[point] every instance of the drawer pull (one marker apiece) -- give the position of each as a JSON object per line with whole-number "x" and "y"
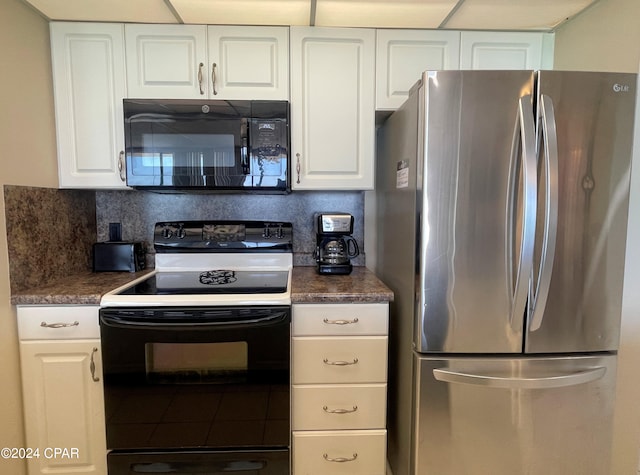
{"x": 340, "y": 363}
{"x": 339, "y": 459}
{"x": 339, "y": 411}
{"x": 59, "y": 325}
{"x": 340, "y": 322}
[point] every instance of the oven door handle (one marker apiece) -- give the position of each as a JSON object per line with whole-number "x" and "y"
{"x": 158, "y": 324}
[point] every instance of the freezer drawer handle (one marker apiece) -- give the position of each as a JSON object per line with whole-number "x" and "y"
{"x": 340, "y": 363}
{"x": 448, "y": 375}
{"x": 340, "y": 459}
{"x": 340, "y": 322}
{"x": 340, "y": 410}
{"x": 59, "y": 325}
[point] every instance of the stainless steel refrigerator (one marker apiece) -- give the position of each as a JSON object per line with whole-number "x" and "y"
{"x": 502, "y": 201}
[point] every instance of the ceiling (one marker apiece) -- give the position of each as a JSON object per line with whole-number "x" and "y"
{"x": 540, "y": 15}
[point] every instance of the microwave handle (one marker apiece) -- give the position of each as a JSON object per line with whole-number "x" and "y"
{"x": 244, "y": 157}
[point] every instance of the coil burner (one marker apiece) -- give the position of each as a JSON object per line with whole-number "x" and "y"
{"x": 218, "y": 277}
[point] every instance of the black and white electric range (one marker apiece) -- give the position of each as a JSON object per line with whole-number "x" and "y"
{"x": 196, "y": 354}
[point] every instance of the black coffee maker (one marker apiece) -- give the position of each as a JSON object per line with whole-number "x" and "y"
{"x": 334, "y": 245}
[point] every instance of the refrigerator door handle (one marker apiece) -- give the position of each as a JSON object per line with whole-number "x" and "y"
{"x": 525, "y": 134}
{"x": 447, "y": 375}
{"x": 550, "y": 141}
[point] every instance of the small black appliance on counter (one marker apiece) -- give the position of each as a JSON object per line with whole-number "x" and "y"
{"x": 334, "y": 245}
{"x": 118, "y": 256}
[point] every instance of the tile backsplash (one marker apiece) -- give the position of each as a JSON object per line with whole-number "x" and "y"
{"x": 138, "y": 211}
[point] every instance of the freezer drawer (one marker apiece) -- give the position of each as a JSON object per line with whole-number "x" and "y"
{"x": 505, "y": 416}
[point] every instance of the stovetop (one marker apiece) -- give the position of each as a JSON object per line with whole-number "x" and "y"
{"x": 214, "y": 263}
{"x": 218, "y": 281}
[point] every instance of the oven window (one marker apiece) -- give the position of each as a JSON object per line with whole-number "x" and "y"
{"x": 192, "y": 363}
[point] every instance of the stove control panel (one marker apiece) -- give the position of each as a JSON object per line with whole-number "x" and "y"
{"x": 223, "y": 236}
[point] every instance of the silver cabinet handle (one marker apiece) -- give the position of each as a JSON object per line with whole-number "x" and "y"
{"x": 59, "y": 325}
{"x": 340, "y": 363}
{"x": 121, "y": 166}
{"x": 213, "y": 78}
{"x": 448, "y": 375}
{"x": 340, "y": 322}
{"x": 340, "y": 459}
{"x": 200, "y": 66}
{"x": 298, "y": 167}
{"x": 92, "y": 365}
{"x": 339, "y": 410}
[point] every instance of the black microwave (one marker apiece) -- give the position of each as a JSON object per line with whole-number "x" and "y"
{"x": 204, "y": 145}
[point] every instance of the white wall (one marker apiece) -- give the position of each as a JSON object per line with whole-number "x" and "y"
{"x": 27, "y": 142}
{"x": 607, "y": 38}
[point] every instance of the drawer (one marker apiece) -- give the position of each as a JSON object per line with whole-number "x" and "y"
{"x": 340, "y": 319}
{"x": 326, "y": 407}
{"x": 339, "y": 360}
{"x": 59, "y": 322}
{"x": 340, "y": 453}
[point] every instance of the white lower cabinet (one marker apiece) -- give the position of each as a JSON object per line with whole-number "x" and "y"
{"x": 339, "y": 388}
{"x": 355, "y": 452}
{"x": 62, "y": 389}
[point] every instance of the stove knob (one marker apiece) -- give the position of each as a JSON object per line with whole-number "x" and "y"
{"x": 181, "y": 233}
{"x": 167, "y": 233}
{"x": 280, "y": 232}
{"x": 266, "y": 232}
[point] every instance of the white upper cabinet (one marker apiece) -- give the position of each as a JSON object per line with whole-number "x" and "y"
{"x": 249, "y": 62}
{"x": 215, "y": 62}
{"x": 505, "y": 50}
{"x": 89, "y": 85}
{"x": 166, "y": 61}
{"x": 402, "y": 56}
{"x": 332, "y": 108}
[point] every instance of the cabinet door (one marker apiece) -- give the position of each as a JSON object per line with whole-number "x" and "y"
{"x": 64, "y": 406}
{"x": 166, "y": 61}
{"x": 89, "y": 85}
{"x": 332, "y": 108}
{"x": 504, "y": 50}
{"x": 402, "y": 56}
{"x": 248, "y": 62}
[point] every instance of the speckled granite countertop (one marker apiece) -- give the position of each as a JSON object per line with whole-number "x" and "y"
{"x": 78, "y": 289}
{"x": 362, "y": 285}
{"x": 307, "y": 286}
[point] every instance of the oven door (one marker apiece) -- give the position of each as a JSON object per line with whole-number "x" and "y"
{"x": 197, "y": 389}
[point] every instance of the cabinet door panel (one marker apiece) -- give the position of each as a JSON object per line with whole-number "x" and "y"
{"x": 64, "y": 405}
{"x": 250, "y": 62}
{"x": 166, "y": 61}
{"x": 402, "y": 56}
{"x": 332, "y": 107}
{"x": 500, "y": 50}
{"x": 89, "y": 85}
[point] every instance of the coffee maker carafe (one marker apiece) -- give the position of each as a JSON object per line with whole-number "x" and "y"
{"x": 335, "y": 247}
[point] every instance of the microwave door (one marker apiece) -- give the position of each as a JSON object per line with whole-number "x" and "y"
{"x": 175, "y": 144}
